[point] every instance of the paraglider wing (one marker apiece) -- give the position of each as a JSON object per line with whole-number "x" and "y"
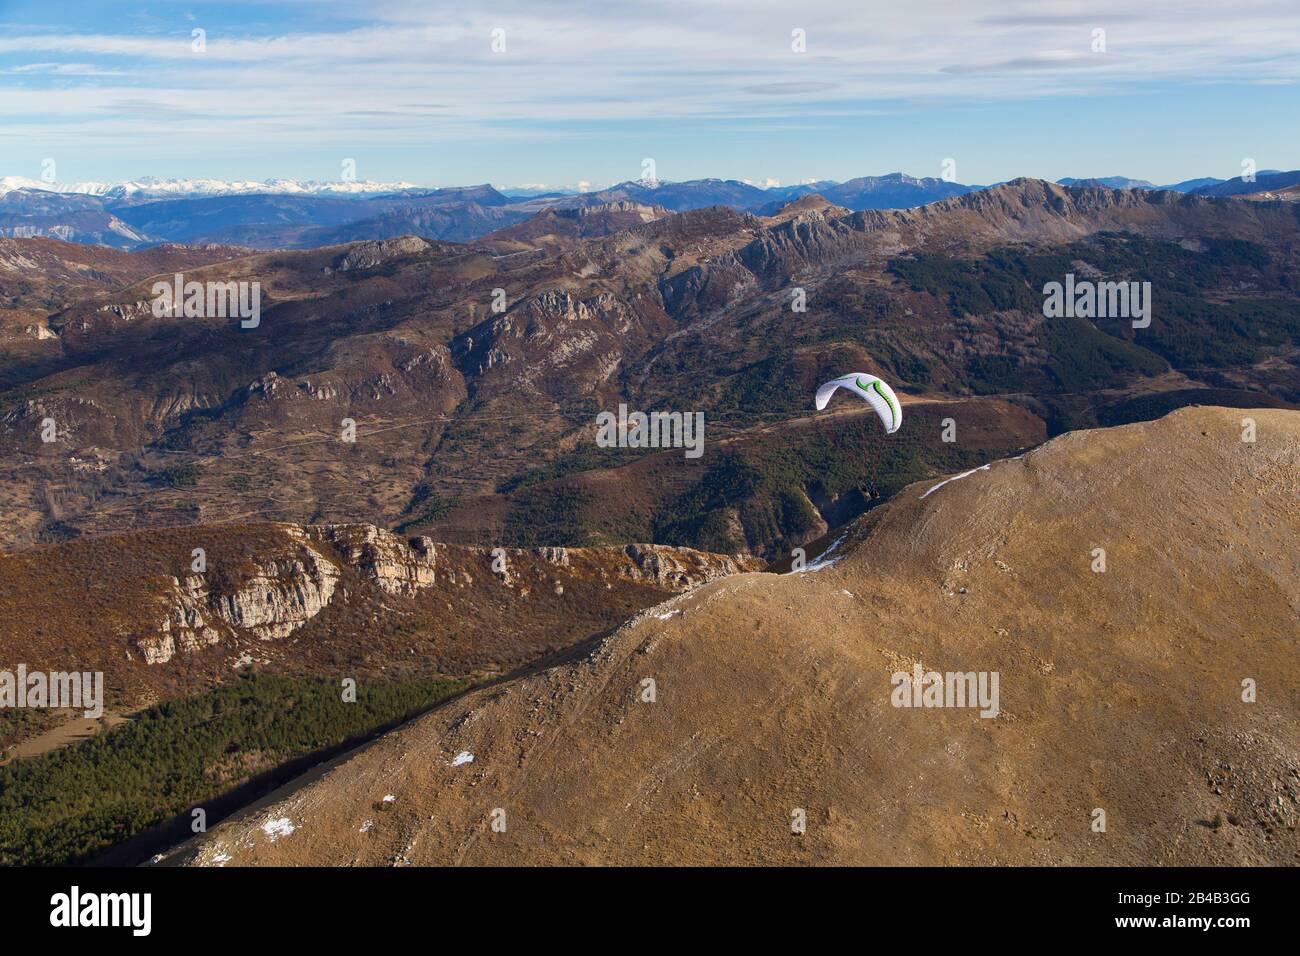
{"x": 871, "y": 390}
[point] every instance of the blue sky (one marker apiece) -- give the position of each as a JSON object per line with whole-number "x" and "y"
{"x": 583, "y": 92}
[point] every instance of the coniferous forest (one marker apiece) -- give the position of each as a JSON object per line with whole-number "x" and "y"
{"x": 71, "y": 804}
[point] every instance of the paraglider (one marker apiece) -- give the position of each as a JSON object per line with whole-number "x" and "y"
{"x": 873, "y": 391}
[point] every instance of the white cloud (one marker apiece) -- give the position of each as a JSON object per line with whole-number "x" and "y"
{"x": 425, "y": 72}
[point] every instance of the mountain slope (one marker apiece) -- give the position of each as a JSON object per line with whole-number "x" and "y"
{"x": 1119, "y": 691}
{"x": 318, "y": 600}
{"x": 30, "y": 214}
{"x": 186, "y": 421}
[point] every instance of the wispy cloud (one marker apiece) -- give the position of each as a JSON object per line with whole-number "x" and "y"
{"x": 433, "y": 72}
{"x": 60, "y": 69}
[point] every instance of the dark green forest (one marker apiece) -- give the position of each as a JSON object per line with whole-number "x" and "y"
{"x": 73, "y": 803}
{"x": 1221, "y": 306}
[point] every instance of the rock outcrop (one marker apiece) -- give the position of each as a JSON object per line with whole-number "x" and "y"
{"x": 396, "y": 565}
{"x": 276, "y": 596}
{"x": 367, "y": 255}
{"x": 189, "y": 622}
{"x": 281, "y": 597}
{"x": 300, "y": 570}
{"x": 679, "y": 569}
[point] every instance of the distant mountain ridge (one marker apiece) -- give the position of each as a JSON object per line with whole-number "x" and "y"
{"x": 890, "y": 191}
{"x": 287, "y": 214}
{"x": 1205, "y": 185}
{"x": 1113, "y": 182}
{"x": 154, "y": 187}
{"x": 1263, "y": 182}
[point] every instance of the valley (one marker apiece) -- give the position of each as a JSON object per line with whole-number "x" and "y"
{"x": 473, "y": 425}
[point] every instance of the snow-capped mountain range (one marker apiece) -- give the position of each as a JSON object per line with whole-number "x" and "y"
{"x": 152, "y": 187}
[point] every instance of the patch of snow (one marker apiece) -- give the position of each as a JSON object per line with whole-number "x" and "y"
{"x": 221, "y": 859}
{"x": 367, "y": 826}
{"x": 930, "y": 491}
{"x": 463, "y": 757}
{"x": 389, "y": 798}
{"x": 822, "y": 565}
{"x": 279, "y": 827}
{"x": 153, "y": 187}
{"x": 666, "y": 615}
{"x": 821, "y": 562}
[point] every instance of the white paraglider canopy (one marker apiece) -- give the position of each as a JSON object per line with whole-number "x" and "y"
{"x": 871, "y": 390}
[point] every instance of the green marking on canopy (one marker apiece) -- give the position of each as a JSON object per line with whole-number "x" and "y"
{"x": 893, "y": 412}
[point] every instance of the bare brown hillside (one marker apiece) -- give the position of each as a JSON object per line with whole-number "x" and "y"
{"x": 1119, "y": 690}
